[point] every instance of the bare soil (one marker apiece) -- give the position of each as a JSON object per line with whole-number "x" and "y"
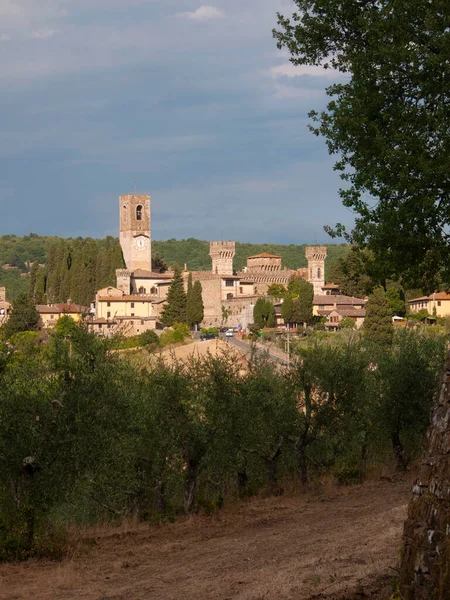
{"x": 339, "y": 543}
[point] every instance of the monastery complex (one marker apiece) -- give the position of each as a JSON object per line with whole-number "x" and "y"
{"x": 136, "y": 302}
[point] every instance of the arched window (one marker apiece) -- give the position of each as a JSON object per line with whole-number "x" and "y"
{"x": 142, "y": 290}
{"x": 153, "y": 291}
{"x": 139, "y": 212}
{"x": 318, "y": 273}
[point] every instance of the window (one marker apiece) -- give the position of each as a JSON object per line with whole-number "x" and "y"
{"x": 229, "y": 282}
{"x": 142, "y": 290}
{"x": 108, "y": 304}
{"x": 139, "y": 212}
{"x": 318, "y": 273}
{"x": 153, "y": 291}
{"x": 132, "y": 314}
{"x": 142, "y": 322}
{"x": 132, "y": 305}
{"x": 439, "y": 302}
{"x": 229, "y": 296}
{"x": 241, "y": 290}
{"x": 108, "y": 315}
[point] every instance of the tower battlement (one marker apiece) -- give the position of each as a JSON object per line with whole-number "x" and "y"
{"x": 222, "y": 254}
{"x": 316, "y": 252}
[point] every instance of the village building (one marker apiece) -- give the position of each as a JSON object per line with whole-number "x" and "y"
{"x": 437, "y": 304}
{"x": 51, "y": 313}
{"x": 136, "y": 302}
{"x": 5, "y": 306}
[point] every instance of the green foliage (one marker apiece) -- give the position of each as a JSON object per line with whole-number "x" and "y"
{"x": 264, "y": 313}
{"x": 175, "y": 308}
{"x": 302, "y": 305}
{"x": 149, "y": 338}
{"x": 286, "y": 309}
{"x": 23, "y": 317}
{"x": 194, "y": 303}
{"x": 387, "y": 120}
{"x": 277, "y": 290}
{"x": 355, "y": 273}
{"x": 347, "y": 323}
{"x": 396, "y": 300}
{"x": 168, "y": 437}
{"x": 377, "y": 325}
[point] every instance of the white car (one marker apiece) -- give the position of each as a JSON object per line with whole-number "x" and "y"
{"x": 229, "y": 333}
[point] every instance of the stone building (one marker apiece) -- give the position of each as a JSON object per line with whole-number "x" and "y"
{"x": 5, "y": 306}
{"x": 135, "y": 304}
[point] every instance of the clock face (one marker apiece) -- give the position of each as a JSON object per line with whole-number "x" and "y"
{"x": 140, "y": 242}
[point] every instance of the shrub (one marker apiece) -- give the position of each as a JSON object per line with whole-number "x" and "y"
{"x": 148, "y": 338}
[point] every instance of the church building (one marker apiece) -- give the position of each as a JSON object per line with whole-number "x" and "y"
{"x": 135, "y": 304}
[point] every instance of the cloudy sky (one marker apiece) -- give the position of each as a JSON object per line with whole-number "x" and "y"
{"x": 189, "y": 102}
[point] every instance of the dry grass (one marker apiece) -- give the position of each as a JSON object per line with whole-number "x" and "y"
{"x": 327, "y": 544}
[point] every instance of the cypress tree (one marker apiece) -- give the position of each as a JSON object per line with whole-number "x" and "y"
{"x": 378, "y": 326}
{"x": 198, "y": 303}
{"x": 24, "y": 316}
{"x": 175, "y": 308}
{"x": 305, "y": 301}
{"x": 39, "y": 290}
{"x": 190, "y": 306}
{"x": 33, "y": 278}
{"x": 286, "y": 309}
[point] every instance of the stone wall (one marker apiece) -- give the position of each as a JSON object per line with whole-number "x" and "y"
{"x": 426, "y": 537}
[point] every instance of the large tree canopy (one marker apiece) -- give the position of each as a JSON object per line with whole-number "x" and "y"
{"x": 388, "y": 120}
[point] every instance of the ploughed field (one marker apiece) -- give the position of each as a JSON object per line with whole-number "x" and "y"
{"x": 337, "y": 543}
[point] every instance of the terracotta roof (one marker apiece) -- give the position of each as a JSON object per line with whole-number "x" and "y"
{"x": 436, "y": 296}
{"x": 72, "y": 308}
{"x": 153, "y": 274}
{"x": 46, "y": 309}
{"x": 131, "y": 298}
{"x": 264, "y": 255}
{"x": 331, "y": 286}
{"x": 337, "y": 299}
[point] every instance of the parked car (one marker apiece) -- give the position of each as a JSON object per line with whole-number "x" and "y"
{"x": 229, "y": 333}
{"x": 208, "y": 336}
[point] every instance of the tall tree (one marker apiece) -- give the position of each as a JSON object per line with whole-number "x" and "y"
{"x": 388, "y": 120}
{"x": 377, "y": 325}
{"x": 33, "y": 276}
{"x": 305, "y": 302}
{"x": 264, "y": 313}
{"x": 194, "y": 303}
{"x": 23, "y": 317}
{"x": 286, "y": 309}
{"x": 175, "y": 308}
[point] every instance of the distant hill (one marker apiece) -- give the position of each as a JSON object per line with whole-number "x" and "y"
{"x": 75, "y": 268}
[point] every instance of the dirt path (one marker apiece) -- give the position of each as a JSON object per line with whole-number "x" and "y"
{"x": 330, "y": 545}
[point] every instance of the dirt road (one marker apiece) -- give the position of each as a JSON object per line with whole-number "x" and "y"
{"x": 339, "y": 544}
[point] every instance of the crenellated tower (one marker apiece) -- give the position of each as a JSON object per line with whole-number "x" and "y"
{"x": 135, "y": 231}
{"x": 316, "y": 256}
{"x": 222, "y": 254}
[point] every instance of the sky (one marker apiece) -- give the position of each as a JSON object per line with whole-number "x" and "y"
{"x": 192, "y": 103}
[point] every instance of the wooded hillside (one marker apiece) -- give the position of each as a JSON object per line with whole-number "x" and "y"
{"x": 76, "y": 268}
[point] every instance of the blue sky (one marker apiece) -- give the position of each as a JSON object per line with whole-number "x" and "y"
{"x": 189, "y": 102}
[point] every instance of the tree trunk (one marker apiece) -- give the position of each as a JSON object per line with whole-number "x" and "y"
{"x": 242, "y": 477}
{"x": 190, "y": 485}
{"x": 425, "y": 572}
{"x": 302, "y": 465}
{"x": 398, "y": 451}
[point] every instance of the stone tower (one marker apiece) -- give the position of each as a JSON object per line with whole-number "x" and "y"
{"x": 316, "y": 256}
{"x": 135, "y": 232}
{"x": 222, "y": 254}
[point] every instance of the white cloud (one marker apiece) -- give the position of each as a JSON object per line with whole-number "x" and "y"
{"x": 290, "y": 70}
{"x": 203, "y": 13}
{"x": 44, "y": 34}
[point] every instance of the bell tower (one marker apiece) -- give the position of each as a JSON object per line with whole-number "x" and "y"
{"x": 316, "y": 256}
{"x": 222, "y": 254}
{"x": 135, "y": 232}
